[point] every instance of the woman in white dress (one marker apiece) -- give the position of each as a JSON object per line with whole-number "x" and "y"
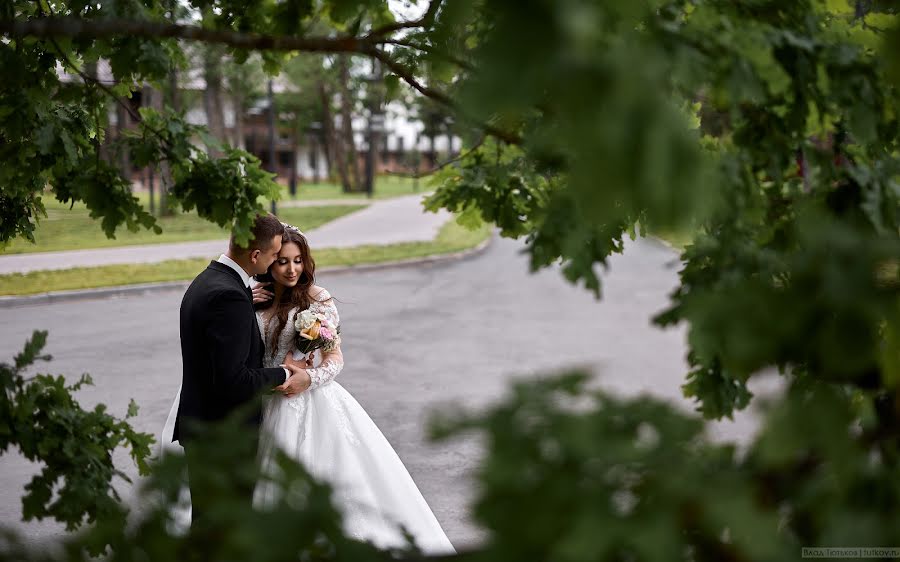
{"x": 324, "y": 427}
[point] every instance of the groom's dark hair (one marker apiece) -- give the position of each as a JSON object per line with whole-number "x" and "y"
{"x": 265, "y": 228}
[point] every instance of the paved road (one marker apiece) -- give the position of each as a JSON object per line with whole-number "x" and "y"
{"x": 469, "y": 328}
{"x": 383, "y": 222}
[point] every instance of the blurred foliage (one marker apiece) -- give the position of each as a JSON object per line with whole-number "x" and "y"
{"x": 574, "y": 475}
{"x": 772, "y": 126}
{"x": 796, "y": 267}
{"x": 40, "y": 418}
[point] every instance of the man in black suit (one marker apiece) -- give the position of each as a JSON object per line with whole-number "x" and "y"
{"x": 221, "y": 347}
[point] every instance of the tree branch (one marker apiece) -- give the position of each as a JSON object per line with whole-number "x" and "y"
{"x": 431, "y": 12}
{"x": 77, "y": 27}
{"x": 426, "y": 20}
{"x": 68, "y": 62}
{"x": 429, "y": 50}
{"x": 366, "y": 45}
{"x": 167, "y": 150}
{"x": 108, "y": 91}
{"x": 438, "y": 96}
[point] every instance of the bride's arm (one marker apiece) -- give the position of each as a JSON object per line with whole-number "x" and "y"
{"x": 331, "y": 366}
{"x": 332, "y": 361}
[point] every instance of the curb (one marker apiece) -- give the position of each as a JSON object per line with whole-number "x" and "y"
{"x": 128, "y": 290}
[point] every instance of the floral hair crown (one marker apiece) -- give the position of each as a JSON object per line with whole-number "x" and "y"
{"x": 294, "y": 228}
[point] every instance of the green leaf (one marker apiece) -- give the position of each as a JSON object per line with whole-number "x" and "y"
{"x": 132, "y": 409}
{"x": 392, "y": 86}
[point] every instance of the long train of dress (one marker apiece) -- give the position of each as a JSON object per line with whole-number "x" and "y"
{"x": 330, "y": 433}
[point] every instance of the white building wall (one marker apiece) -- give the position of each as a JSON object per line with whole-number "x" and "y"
{"x": 304, "y": 166}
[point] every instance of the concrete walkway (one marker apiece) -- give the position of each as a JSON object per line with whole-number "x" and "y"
{"x": 383, "y": 222}
{"x": 325, "y": 202}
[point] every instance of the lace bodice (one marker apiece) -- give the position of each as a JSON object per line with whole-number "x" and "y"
{"x": 331, "y": 363}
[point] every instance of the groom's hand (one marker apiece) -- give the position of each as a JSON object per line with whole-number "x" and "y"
{"x": 298, "y": 382}
{"x": 289, "y": 362}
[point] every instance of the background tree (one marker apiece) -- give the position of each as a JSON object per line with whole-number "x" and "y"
{"x": 348, "y": 109}
{"x": 243, "y": 84}
{"x": 310, "y": 103}
{"x": 435, "y": 121}
{"x": 213, "y": 93}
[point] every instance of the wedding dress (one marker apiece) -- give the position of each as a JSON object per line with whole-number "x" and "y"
{"x": 326, "y": 430}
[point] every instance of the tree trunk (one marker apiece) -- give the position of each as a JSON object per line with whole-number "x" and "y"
{"x": 325, "y": 141}
{"x": 102, "y": 150}
{"x": 338, "y": 161}
{"x": 347, "y": 124}
{"x": 147, "y": 100}
{"x": 314, "y": 157}
{"x": 173, "y": 99}
{"x": 212, "y": 96}
{"x": 121, "y": 125}
{"x": 295, "y": 148}
{"x": 154, "y": 99}
{"x": 449, "y": 141}
{"x": 238, "y": 101}
{"x": 432, "y": 150}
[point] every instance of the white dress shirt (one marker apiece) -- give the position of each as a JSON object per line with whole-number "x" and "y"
{"x": 245, "y": 277}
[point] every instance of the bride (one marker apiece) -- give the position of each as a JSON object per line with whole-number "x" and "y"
{"x": 324, "y": 427}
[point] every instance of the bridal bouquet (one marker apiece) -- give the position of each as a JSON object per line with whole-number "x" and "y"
{"x": 314, "y": 331}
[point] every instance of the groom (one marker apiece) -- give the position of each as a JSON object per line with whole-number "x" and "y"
{"x": 221, "y": 347}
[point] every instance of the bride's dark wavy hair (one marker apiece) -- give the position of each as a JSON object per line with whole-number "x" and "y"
{"x": 296, "y": 296}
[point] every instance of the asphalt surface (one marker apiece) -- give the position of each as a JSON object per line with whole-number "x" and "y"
{"x": 465, "y": 329}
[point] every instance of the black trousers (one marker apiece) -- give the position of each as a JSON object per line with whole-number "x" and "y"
{"x": 203, "y": 496}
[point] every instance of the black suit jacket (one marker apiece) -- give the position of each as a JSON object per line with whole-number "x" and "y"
{"x": 221, "y": 351}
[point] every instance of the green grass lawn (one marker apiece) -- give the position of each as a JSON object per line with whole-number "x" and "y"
{"x": 678, "y": 239}
{"x": 385, "y": 187}
{"x": 75, "y": 230}
{"x": 451, "y": 238}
